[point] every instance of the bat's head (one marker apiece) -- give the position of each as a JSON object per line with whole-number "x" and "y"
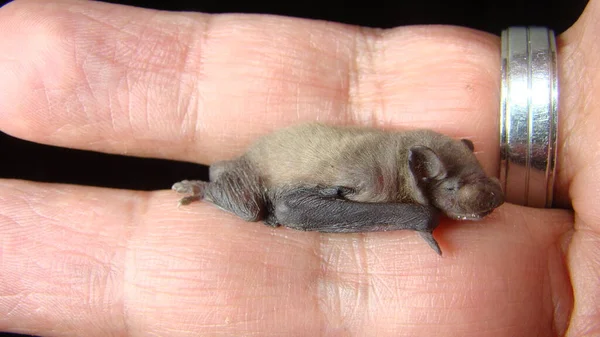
{"x": 453, "y": 181}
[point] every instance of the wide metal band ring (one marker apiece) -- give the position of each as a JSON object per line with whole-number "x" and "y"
{"x": 528, "y": 115}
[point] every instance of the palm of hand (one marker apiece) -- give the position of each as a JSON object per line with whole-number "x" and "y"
{"x": 97, "y": 262}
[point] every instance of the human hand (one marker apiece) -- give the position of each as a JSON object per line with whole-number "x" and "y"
{"x": 83, "y": 261}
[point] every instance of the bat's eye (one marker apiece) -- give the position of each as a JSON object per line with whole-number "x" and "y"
{"x": 450, "y": 185}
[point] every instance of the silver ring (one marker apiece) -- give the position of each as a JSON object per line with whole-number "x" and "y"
{"x": 528, "y": 115}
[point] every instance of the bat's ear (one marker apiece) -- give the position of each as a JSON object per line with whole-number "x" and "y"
{"x": 425, "y": 164}
{"x": 469, "y": 144}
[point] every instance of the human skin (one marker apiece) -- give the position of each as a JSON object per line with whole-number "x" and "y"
{"x": 83, "y": 261}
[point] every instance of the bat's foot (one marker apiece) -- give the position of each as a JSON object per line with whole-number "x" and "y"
{"x": 194, "y": 189}
{"x": 428, "y": 237}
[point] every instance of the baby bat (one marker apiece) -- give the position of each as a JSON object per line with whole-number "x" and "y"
{"x": 315, "y": 177}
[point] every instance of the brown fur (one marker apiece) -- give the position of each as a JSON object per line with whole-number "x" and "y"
{"x": 372, "y": 161}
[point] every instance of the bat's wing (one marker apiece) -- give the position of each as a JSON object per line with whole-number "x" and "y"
{"x": 324, "y": 209}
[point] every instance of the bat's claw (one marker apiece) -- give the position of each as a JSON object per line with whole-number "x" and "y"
{"x": 428, "y": 237}
{"x": 188, "y": 200}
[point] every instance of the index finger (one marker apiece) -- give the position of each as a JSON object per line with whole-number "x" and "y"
{"x": 197, "y": 87}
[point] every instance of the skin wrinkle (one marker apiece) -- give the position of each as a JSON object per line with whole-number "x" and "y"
{"x": 362, "y": 65}
{"x": 560, "y": 316}
{"x": 87, "y": 64}
{"x": 142, "y": 38}
{"x": 556, "y": 319}
{"x": 376, "y": 51}
{"x": 81, "y": 98}
{"x": 363, "y": 286}
{"x": 571, "y": 59}
{"x": 185, "y": 101}
{"x": 327, "y": 303}
{"x": 65, "y": 259}
{"x": 353, "y": 82}
{"x": 125, "y": 317}
{"x": 116, "y": 57}
{"x": 113, "y": 102}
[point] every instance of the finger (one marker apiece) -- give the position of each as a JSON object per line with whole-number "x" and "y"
{"x": 97, "y": 262}
{"x": 579, "y": 164}
{"x": 81, "y": 261}
{"x": 62, "y": 257}
{"x": 201, "y": 87}
{"x": 578, "y": 159}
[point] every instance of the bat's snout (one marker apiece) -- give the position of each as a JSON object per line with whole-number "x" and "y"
{"x": 478, "y": 200}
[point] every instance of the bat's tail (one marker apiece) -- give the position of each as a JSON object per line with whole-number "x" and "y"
{"x": 428, "y": 237}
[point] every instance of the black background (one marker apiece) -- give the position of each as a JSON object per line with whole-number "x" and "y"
{"x": 25, "y": 160}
